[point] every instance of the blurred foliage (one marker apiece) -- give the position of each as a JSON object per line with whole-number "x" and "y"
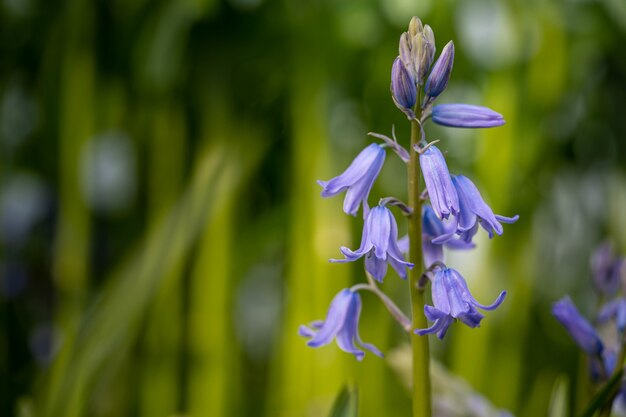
{"x": 161, "y": 231}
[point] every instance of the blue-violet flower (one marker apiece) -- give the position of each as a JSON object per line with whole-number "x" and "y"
{"x": 466, "y": 115}
{"x": 379, "y": 244}
{"x": 358, "y": 179}
{"x": 577, "y": 326}
{"x": 453, "y": 300}
{"x": 342, "y": 322}
{"x": 441, "y": 192}
{"x": 474, "y": 210}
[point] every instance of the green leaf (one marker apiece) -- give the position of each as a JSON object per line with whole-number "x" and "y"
{"x": 607, "y": 393}
{"x": 558, "y": 399}
{"x": 347, "y": 403}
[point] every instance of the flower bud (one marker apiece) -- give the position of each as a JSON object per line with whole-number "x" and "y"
{"x": 403, "y": 88}
{"x": 466, "y": 115}
{"x": 415, "y": 26}
{"x": 440, "y": 75}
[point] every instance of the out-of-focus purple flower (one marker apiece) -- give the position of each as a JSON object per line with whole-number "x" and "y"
{"x": 441, "y": 192}
{"x": 403, "y": 89}
{"x": 440, "y": 75}
{"x": 379, "y": 244}
{"x": 473, "y": 209}
{"x": 466, "y": 115}
{"x": 577, "y": 326}
{"x": 437, "y": 233}
{"x": 358, "y": 179}
{"x": 453, "y": 300}
{"x": 607, "y": 269}
{"x": 615, "y": 310}
{"x": 342, "y": 324}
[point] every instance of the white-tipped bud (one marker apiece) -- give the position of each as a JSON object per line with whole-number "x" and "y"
{"x": 415, "y": 26}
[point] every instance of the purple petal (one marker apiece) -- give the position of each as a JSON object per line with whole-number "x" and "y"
{"x": 441, "y": 191}
{"x": 335, "y": 318}
{"x": 466, "y": 116}
{"x": 376, "y": 267}
{"x": 358, "y": 178}
{"x": 379, "y": 230}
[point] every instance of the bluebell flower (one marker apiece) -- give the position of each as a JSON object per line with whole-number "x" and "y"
{"x": 614, "y": 310}
{"x": 440, "y": 75}
{"x": 342, "y": 324}
{"x": 379, "y": 245}
{"x": 403, "y": 89}
{"x": 577, "y": 326}
{"x": 358, "y": 179}
{"x": 466, "y": 115}
{"x": 474, "y": 210}
{"x": 452, "y": 300}
{"x": 607, "y": 269}
{"x": 441, "y": 192}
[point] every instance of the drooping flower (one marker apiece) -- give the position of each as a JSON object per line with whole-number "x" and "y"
{"x": 441, "y": 192}
{"x": 379, "y": 245}
{"x": 474, "y": 210}
{"x": 577, "y": 326}
{"x": 452, "y": 300}
{"x": 607, "y": 269}
{"x": 403, "y": 89}
{"x": 466, "y": 115}
{"x": 358, "y": 179}
{"x": 440, "y": 75}
{"x": 342, "y": 324}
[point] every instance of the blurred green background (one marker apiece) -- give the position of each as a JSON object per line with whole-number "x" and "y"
{"x": 162, "y": 235}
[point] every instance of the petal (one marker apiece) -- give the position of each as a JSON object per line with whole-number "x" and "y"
{"x": 335, "y": 319}
{"x": 441, "y": 192}
{"x": 359, "y": 191}
{"x": 359, "y": 166}
{"x": 476, "y": 204}
{"x": 376, "y": 267}
{"x": 379, "y": 230}
{"x": 491, "y": 306}
{"x": 306, "y": 331}
{"x": 472, "y": 318}
{"x": 455, "y": 291}
{"x": 347, "y": 334}
{"x": 400, "y": 266}
{"x": 465, "y": 115}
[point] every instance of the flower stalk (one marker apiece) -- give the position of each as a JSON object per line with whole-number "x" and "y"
{"x": 420, "y": 350}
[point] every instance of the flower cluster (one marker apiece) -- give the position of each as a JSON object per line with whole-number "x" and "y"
{"x": 604, "y": 340}
{"x": 450, "y": 219}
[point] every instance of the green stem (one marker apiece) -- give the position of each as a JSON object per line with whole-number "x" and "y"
{"x": 421, "y": 362}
